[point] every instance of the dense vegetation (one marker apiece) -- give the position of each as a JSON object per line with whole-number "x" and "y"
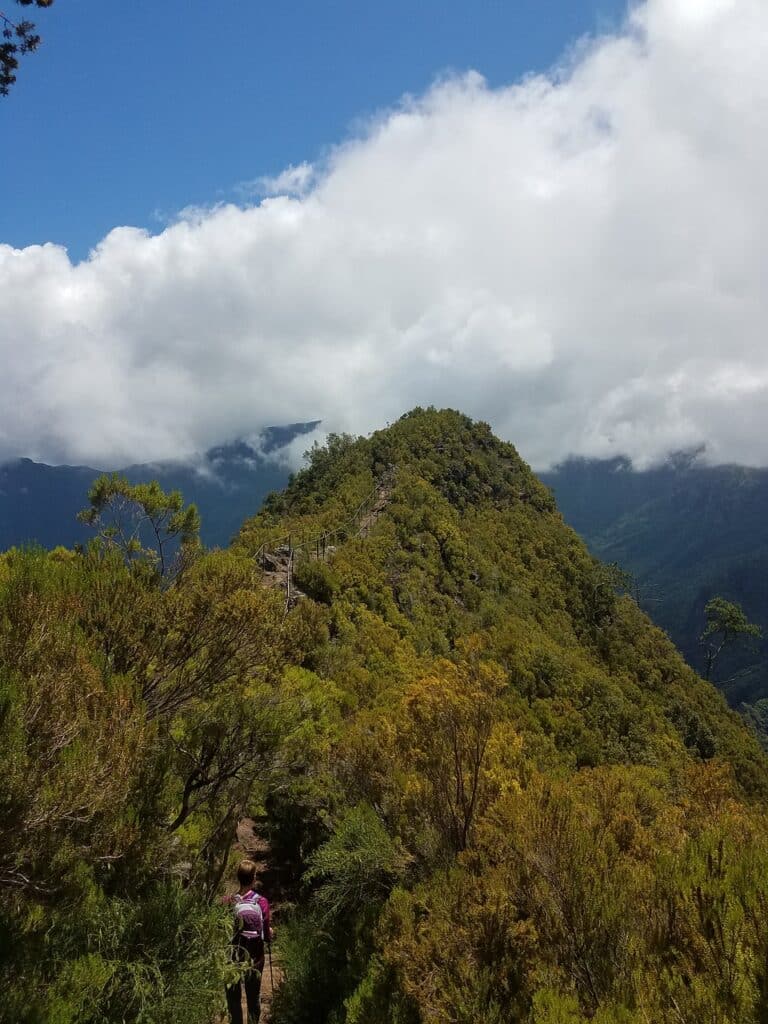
{"x": 496, "y": 791}
{"x": 687, "y": 532}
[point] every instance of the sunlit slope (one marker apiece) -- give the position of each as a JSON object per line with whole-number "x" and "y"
{"x": 527, "y": 807}
{"x": 472, "y": 545}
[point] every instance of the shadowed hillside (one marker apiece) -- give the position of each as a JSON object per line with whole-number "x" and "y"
{"x": 39, "y": 503}
{"x": 686, "y": 532}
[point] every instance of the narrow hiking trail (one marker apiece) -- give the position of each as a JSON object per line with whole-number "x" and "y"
{"x": 256, "y": 848}
{"x": 278, "y": 567}
{"x": 380, "y": 503}
{"x": 278, "y": 561}
{"x": 251, "y": 843}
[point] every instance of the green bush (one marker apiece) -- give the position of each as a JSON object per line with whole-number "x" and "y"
{"x": 316, "y": 579}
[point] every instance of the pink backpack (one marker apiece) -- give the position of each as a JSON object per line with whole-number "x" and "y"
{"x": 249, "y": 919}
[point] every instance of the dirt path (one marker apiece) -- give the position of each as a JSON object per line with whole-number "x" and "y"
{"x": 278, "y": 565}
{"x": 368, "y": 520}
{"x": 252, "y": 845}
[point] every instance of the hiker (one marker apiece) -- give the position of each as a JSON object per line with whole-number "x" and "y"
{"x": 247, "y": 944}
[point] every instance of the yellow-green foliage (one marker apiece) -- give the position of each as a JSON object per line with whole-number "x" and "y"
{"x": 137, "y": 721}
{"x": 495, "y": 791}
{"x": 555, "y": 775}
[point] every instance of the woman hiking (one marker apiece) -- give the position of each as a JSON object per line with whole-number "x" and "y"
{"x": 247, "y": 944}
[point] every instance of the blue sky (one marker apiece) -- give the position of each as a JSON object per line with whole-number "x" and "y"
{"x": 132, "y": 109}
{"x": 576, "y": 256}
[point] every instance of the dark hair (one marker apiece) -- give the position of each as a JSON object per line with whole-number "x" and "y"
{"x": 246, "y": 872}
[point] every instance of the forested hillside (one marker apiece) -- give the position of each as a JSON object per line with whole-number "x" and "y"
{"x": 686, "y": 532}
{"x": 495, "y": 791}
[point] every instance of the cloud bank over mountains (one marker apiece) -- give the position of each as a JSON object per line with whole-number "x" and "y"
{"x": 580, "y": 258}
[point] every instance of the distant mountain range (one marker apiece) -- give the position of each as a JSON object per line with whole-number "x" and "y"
{"x": 39, "y": 503}
{"x": 686, "y": 532}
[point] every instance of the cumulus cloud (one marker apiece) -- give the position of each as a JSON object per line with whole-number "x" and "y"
{"x": 579, "y": 258}
{"x": 294, "y": 180}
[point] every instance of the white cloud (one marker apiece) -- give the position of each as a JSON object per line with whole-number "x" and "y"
{"x": 579, "y": 258}
{"x": 294, "y": 180}
{"x": 292, "y": 455}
